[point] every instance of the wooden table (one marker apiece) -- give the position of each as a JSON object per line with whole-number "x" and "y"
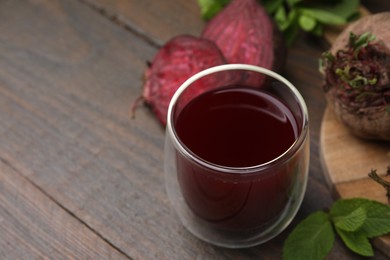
{"x": 78, "y": 177}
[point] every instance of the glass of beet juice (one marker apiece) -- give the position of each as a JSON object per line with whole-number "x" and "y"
{"x": 236, "y": 154}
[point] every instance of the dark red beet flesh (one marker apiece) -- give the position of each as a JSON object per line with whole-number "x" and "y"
{"x": 180, "y": 58}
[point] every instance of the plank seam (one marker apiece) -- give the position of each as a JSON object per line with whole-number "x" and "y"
{"x": 120, "y": 22}
{"x": 7, "y": 163}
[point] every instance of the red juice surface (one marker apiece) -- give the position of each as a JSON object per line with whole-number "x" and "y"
{"x": 235, "y": 126}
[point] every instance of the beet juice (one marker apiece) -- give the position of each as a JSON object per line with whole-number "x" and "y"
{"x": 236, "y": 154}
{"x": 236, "y": 127}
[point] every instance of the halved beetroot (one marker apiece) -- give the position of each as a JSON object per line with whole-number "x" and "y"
{"x": 180, "y": 58}
{"x": 245, "y": 33}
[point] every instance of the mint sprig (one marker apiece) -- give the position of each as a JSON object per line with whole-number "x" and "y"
{"x": 312, "y": 239}
{"x": 352, "y": 221}
{"x": 312, "y": 16}
{"x": 355, "y": 221}
{"x": 356, "y": 242}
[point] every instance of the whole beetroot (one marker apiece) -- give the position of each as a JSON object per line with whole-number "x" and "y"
{"x": 245, "y": 33}
{"x": 179, "y": 59}
{"x": 357, "y": 77}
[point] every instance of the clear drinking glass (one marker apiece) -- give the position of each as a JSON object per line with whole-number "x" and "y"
{"x": 242, "y": 204}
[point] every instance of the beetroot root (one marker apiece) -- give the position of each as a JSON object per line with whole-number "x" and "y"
{"x": 357, "y": 77}
{"x": 180, "y": 58}
{"x": 245, "y": 33}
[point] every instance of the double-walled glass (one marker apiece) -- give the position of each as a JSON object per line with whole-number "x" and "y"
{"x": 236, "y": 206}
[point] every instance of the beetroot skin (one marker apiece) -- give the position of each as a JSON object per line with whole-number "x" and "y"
{"x": 180, "y": 58}
{"x": 241, "y": 33}
{"x": 357, "y": 77}
{"x": 246, "y": 34}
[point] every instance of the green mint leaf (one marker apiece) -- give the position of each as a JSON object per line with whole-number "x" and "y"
{"x": 356, "y": 242}
{"x": 272, "y": 5}
{"x": 209, "y": 8}
{"x": 289, "y": 25}
{"x": 343, "y": 8}
{"x": 313, "y": 238}
{"x": 286, "y": 21}
{"x": 291, "y": 33}
{"x": 293, "y": 15}
{"x": 280, "y": 17}
{"x": 293, "y": 2}
{"x": 324, "y": 16}
{"x": 351, "y": 222}
{"x": 307, "y": 22}
{"x": 377, "y": 221}
{"x": 347, "y": 8}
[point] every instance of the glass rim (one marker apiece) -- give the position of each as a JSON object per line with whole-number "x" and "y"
{"x": 182, "y": 148}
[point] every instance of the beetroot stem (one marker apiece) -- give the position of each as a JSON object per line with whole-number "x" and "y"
{"x": 373, "y": 175}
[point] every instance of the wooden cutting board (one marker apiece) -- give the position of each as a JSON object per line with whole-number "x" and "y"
{"x": 347, "y": 160}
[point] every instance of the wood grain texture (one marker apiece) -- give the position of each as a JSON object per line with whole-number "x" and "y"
{"x": 66, "y": 90}
{"x": 69, "y": 72}
{"x": 155, "y": 20}
{"x": 347, "y": 160}
{"x": 65, "y": 95}
{"x": 346, "y": 157}
{"x": 32, "y": 225}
